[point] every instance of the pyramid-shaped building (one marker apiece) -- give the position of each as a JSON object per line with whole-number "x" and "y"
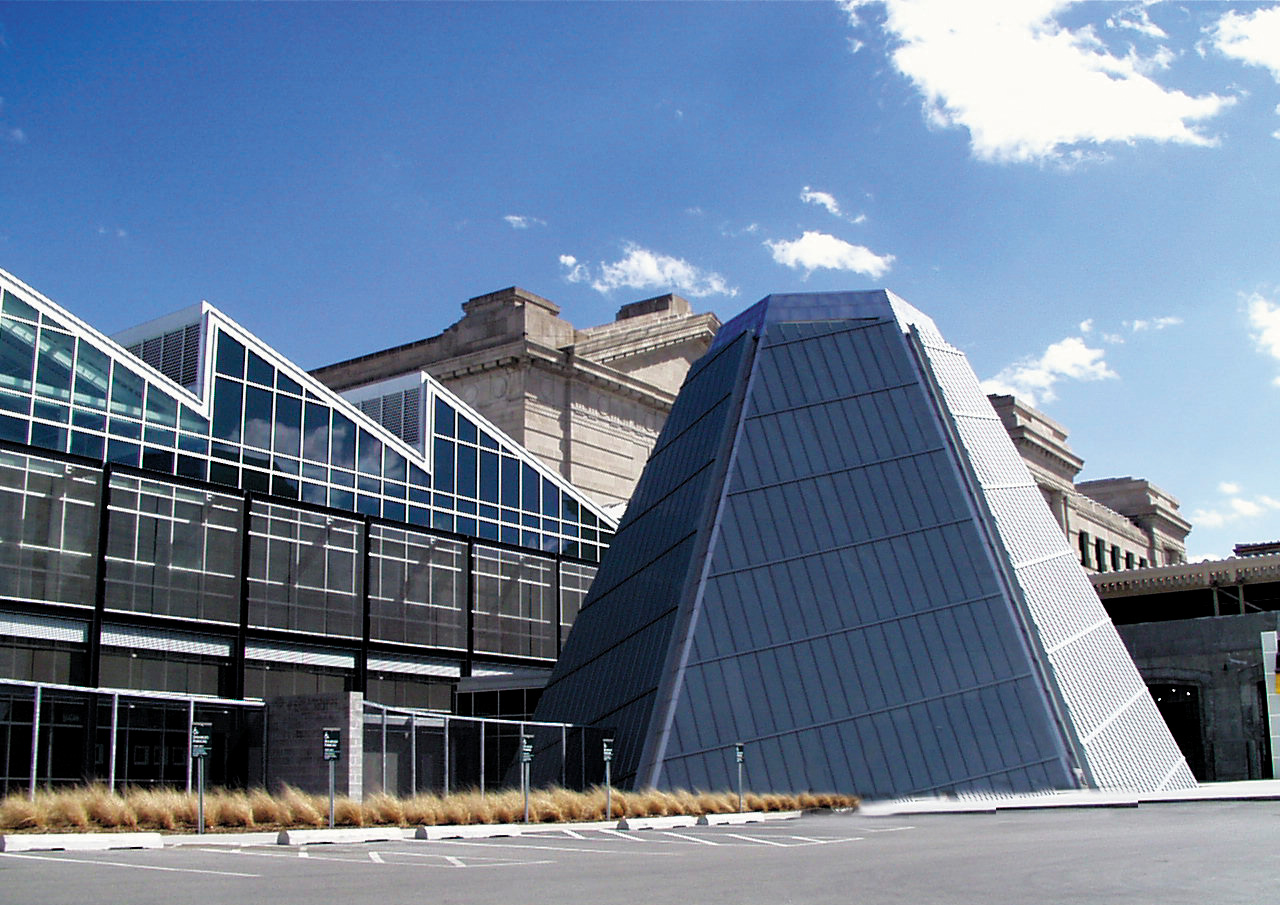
{"x": 836, "y": 557}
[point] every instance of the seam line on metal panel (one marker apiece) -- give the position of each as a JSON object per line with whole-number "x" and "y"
{"x": 842, "y": 470}
{"x": 1114, "y": 716}
{"x": 1077, "y": 636}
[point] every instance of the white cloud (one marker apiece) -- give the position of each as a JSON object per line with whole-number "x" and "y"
{"x": 822, "y": 199}
{"x": 519, "y": 221}
{"x": 15, "y": 136}
{"x": 820, "y": 251}
{"x": 827, "y": 201}
{"x": 1028, "y": 88}
{"x": 641, "y": 268}
{"x": 1136, "y": 19}
{"x": 1155, "y": 323}
{"x": 1086, "y": 325}
{"x": 1033, "y": 379}
{"x": 575, "y": 272}
{"x": 1233, "y": 508}
{"x": 1264, "y": 318}
{"x": 113, "y": 231}
{"x": 1254, "y": 38}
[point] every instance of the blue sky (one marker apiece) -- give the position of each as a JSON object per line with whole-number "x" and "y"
{"x": 1083, "y": 195}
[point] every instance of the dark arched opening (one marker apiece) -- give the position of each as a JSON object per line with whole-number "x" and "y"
{"x": 1180, "y": 707}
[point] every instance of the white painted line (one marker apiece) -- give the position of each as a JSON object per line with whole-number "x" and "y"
{"x": 572, "y": 835}
{"x": 240, "y": 851}
{"x": 887, "y": 829}
{"x": 690, "y": 838}
{"x": 303, "y": 853}
{"x": 549, "y": 848}
{"x": 760, "y": 841}
{"x": 179, "y": 870}
{"x": 456, "y": 862}
{"x": 807, "y": 839}
{"x": 623, "y": 835}
{"x": 376, "y": 858}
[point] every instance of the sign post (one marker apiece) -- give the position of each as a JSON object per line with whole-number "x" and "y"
{"x": 526, "y": 758}
{"x": 738, "y": 751}
{"x": 201, "y": 737}
{"x": 608, "y": 785}
{"x": 331, "y": 746}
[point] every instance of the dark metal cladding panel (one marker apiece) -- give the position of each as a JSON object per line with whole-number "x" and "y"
{"x": 613, "y": 659}
{"x": 852, "y": 632}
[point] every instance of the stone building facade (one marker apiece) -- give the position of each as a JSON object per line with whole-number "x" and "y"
{"x": 1196, "y": 633}
{"x": 588, "y": 402}
{"x": 1114, "y": 523}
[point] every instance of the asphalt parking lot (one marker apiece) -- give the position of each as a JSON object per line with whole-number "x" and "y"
{"x": 1204, "y": 852}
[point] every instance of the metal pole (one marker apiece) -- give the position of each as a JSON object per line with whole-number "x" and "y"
{"x": 446, "y": 755}
{"x": 384, "y": 751}
{"x": 413, "y": 753}
{"x": 115, "y": 724}
{"x": 191, "y": 720}
{"x": 564, "y": 757}
{"x": 524, "y": 774}
{"x": 482, "y": 758}
{"x": 35, "y": 742}
{"x": 332, "y": 788}
{"x": 739, "y": 787}
{"x": 200, "y": 818}
{"x": 48, "y": 761}
{"x": 608, "y": 792}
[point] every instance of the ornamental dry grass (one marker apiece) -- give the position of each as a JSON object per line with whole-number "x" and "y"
{"x": 96, "y": 807}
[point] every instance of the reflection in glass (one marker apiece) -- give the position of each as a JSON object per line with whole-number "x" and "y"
{"x": 370, "y": 453}
{"x": 344, "y": 442}
{"x": 17, "y": 353}
{"x": 161, "y": 407}
{"x": 226, "y": 410}
{"x": 126, "y": 393}
{"x": 315, "y": 444}
{"x": 257, "y": 417}
{"x": 288, "y": 425}
{"x": 230, "y": 356}
{"x": 93, "y": 375}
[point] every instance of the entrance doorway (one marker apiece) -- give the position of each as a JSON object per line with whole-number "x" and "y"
{"x": 1180, "y": 707}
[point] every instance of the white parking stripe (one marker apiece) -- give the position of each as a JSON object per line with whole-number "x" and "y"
{"x": 179, "y": 870}
{"x": 303, "y": 853}
{"x": 806, "y": 839}
{"x": 549, "y": 848}
{"x": 760, "y": 841}
{"x": 456, "y": 862}
{"x": 691, "y": 838}
{"x": 572, "y": 835}
{"x": 633, "y": 838}
{"x": 376, "y": 858}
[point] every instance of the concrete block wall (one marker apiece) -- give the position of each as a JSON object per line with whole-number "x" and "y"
{"x": 294, "y": 740}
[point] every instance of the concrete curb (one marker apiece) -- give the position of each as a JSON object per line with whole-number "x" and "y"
{"x": 782, "y": 815}
{"x": 77, "y": 842}
{"x": 342, "y": 834}
{"x": 656, "y": 823}
{"x": 730, "y": 819}
{"x": 234, "y": 840}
